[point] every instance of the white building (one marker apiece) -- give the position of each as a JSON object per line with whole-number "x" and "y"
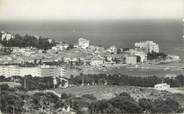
{"x": 9, "y": 70}
{"x": 112, "y": 49}
{"x": 173, "y": 57}
{"x": 141, "y": 54}
{"x": 83, "y": 43}
{"x": 162, "y": 86}
{"x": 24, "y": 51}
{"x": 50, "y": 40}
{"x": 60, "y": 47}
{"x": 149, "y": 46}
{"x": 6, "y": 36}
{"x": 55, "y": 71}
{"x": 34, "y": 71}
{"x": 97, "y": 61}
{"x": 70, "y": 59}
{"x": 40, "y": 71}
{"x": 131, "y": 59}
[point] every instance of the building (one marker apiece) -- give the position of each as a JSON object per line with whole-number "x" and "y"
{"x": 34, "y": 71}
{"x": 173, "y": 57}
{"x": 131, "y": 59}
{"x": 9, "y": 70}
{"x": 6, "y": 36}
{"x": 162, "y": 86}
{"x": 115, "y": 58}
{"x": 40, "y": 71}
{"x": 149, "y": 46}
{"x": 97, "y": 61}
{"x": 96, "y": 49}
{"x": 112, "y": 49}
{"x": 70, "y": 59}
{"x": 50, "y": 40}
{"x": 60, "y": 47}
{"x": 141, "y": 54}
{"x": 23, "y": 51}
{"x": 55, "y": 71}
{"x": 83, "y": 43}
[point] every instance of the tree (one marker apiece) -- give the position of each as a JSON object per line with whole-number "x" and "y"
{"x": 146, "y": 104}
{"x": 154, "y": 55}
{"x": 126, "y": 105}
{"x": 28, "y": 41}
{"x": 165, "y": 106}
{"x": 3, "y": 78}
{"x": 4, "y": 87}
{"x": 64, "y": 96}
{"x": 89, "y": 96}
{"x": 120, "y": 104}
{"x": 180, "y": 79}
{"x": 125, "y": 94}
{"x": 11, "y": 102}
{"x": 118, "y": 51}
{"x": 71, "y": 46}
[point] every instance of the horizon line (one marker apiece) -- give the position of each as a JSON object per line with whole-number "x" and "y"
{"x": 123, "y": 19}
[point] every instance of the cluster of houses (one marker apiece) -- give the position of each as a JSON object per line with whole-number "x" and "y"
{"x": 148, "y": 46}
{"x": 95, "y": 55}
{"x": 101, "y": 56}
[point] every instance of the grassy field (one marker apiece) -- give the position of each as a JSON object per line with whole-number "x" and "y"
{"x": 131, "y": 71}
{"x": 143, "y": 72}
{"x": 107, "y": 92}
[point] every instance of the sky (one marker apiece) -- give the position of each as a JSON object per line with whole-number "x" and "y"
{"x": 90, "y": 9}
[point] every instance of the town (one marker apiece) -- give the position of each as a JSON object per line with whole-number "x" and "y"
{"x": 28, "y": 59}
{"x": 35, "y": 64}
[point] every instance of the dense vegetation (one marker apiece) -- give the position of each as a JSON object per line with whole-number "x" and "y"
{"x": 124, "y": 103}
{"x": 40, "y": 83}
{"x": 17, "y": 102}
{"x": 119, "y": 79}
{"x": 28, "y": 41}
{"x": 154, "y": 55}
{"x": 10, "y": 101}
{"x": 31, "y": 83}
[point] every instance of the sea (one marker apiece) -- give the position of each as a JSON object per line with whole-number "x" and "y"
{"x": 122, "y": 33}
